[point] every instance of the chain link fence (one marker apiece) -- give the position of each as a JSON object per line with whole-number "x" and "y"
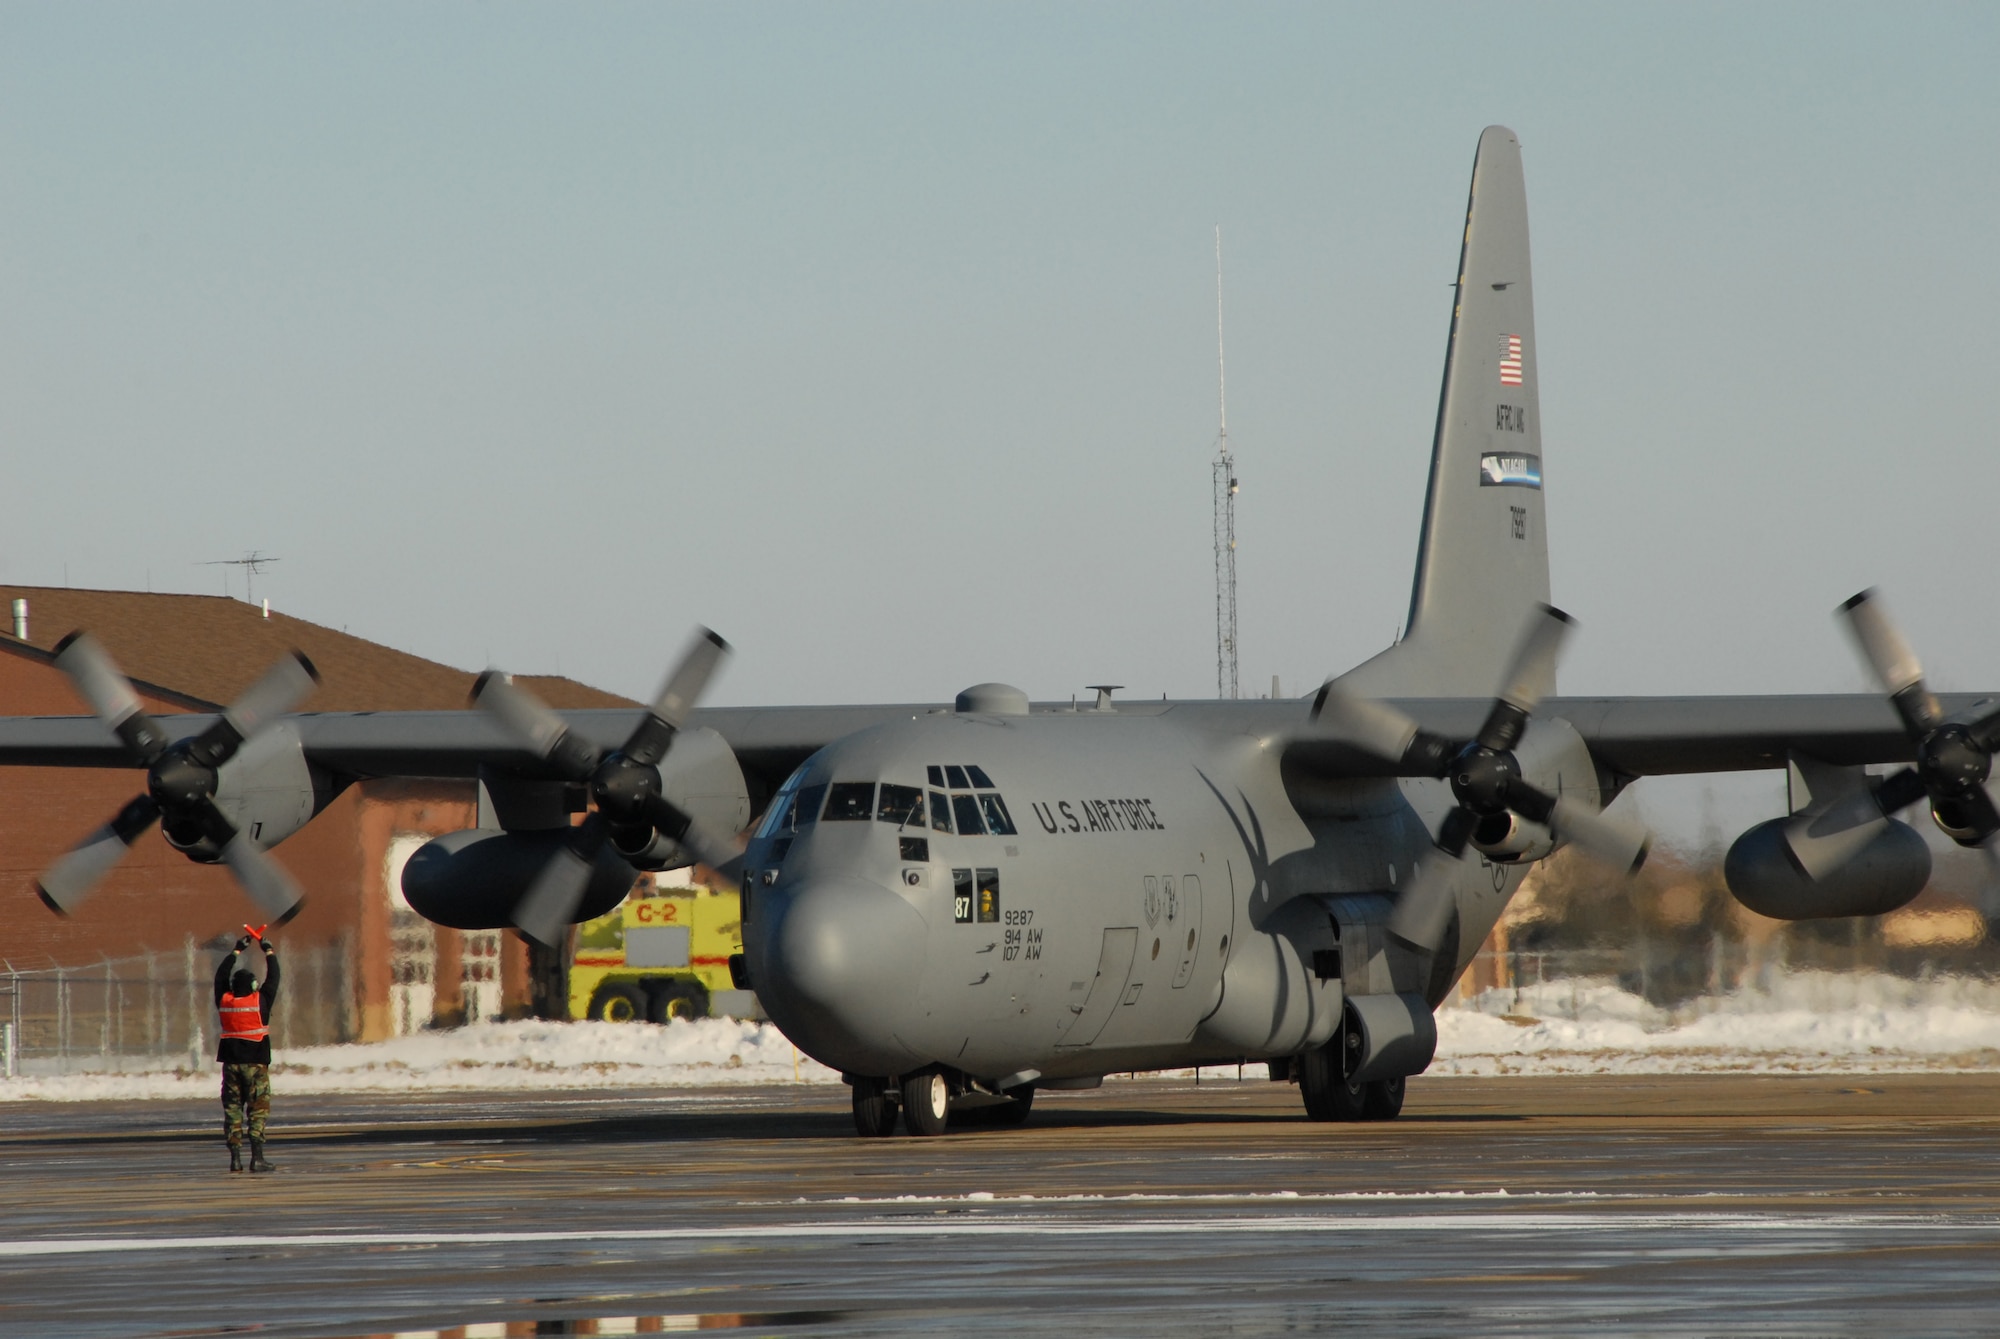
{"x": 157, "y": 1011}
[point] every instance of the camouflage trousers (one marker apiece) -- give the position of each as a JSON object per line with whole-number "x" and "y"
{"x": 246, "y": 1101}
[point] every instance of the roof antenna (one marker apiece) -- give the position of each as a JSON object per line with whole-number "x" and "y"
{"x": 1224, "y": 502}
{"x": 252, "y": 562}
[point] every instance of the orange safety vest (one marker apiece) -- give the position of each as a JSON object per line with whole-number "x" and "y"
{"x": 243, "y": 1018}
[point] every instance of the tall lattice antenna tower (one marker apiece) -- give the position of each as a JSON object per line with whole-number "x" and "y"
{"x": 1224, "y": 472}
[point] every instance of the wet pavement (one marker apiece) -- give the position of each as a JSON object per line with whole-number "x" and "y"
{"x": 1686, "y": 1205}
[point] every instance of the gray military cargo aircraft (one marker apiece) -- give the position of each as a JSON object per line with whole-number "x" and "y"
{"x": 958, "y": 906}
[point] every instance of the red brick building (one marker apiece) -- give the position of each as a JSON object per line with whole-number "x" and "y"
{"x": 194, "y": 653}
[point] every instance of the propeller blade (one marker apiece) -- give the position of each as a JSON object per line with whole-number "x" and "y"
{"x": 1372, "y": 726}
{"x": 549, "y": 906}
{"x": 684, "y": 687}
{"x": 283, "y": 687}
{"x": 267, "y": 882}
{"x": 1623, "y": 846}
{"x": 1424, "y": 910}
{"x": 677, "y": 825}
{"x": 1895, "y": 664}
{"x": 76, "y": 875}
{"x": 541, "y": 731}
{"x": 1529, "y": 675}
{"x": 1825, "y": 841}
{"x": 99, "y": 682}
{"x": 1534, "y": 664}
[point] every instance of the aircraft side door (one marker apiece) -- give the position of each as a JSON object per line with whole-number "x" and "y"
{"x": 1107, "y": 988}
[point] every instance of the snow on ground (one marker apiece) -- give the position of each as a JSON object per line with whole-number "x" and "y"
{"x": 1807, "y": 1022}
{"x": 526, "y": 1056}
{"x": 1826, "y": 1022}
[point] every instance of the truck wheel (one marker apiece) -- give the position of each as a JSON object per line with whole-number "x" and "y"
{"x": 1382, "y": 1099}
{"x": 678, "y": 998}
{"x": 618, "y": 1002}
{"x": 926, "y": 1102}
{"x": 874, "y": 1108}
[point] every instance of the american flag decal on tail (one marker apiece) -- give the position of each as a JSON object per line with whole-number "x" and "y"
{"x": 1510, "y": 360}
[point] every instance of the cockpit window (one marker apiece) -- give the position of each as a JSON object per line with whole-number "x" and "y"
{"x": 805, "y": 809}
{"x": 936, "y": 775}
{"x": 997, "y": 820}
{"x": 940, "y": 812}
{"x": 850, "y": 801}
{"x": 901, "y": 805}
{"x": 956, "y": 776}
{"x": 778, "y": 817}
{"x": 966, "y": 810}
{"x": 979, "y": 777}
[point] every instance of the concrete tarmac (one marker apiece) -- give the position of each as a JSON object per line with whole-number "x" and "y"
{"x": 1692, "y": 1205}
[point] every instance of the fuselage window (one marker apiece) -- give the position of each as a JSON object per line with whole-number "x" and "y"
{"x": 955, "y": 775}
{"x": 850, "y": 801}
{"x": 936, "y": 775}
{"x": 989, "y": 895}
{"x": 979, "y": 778}
{"x": 940, "y": 812}
{"x": 966, "y": 810}
{"x": 901, "y": 805}
{"x": 997, "y": 820}
{"x": 961, "y": 896}
{"x": 806, "y": 808}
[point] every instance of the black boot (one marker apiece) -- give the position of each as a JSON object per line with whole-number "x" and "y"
{"x": 235, "y": 1158}
{"x": 257, "y": 1163}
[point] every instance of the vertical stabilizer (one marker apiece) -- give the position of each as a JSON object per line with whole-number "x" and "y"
{"x": 1483, "y": 559}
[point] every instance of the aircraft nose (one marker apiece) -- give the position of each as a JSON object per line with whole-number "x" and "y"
{"x": 843, "y": 962}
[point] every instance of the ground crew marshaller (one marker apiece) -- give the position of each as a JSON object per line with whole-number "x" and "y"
{"x": 245, "y": 1050}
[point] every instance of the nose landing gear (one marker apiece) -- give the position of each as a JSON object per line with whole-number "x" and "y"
{"x": 874, "y": 1108}
{"x": 925, "y": 1101}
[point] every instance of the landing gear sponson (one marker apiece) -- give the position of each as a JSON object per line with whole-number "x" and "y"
{"x": 933, "y": 1100}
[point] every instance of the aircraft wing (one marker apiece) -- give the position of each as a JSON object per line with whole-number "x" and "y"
{"x": 1632, "y": 736}
{"x": 1658, "y": 736}
{"x": 769, "y": 741}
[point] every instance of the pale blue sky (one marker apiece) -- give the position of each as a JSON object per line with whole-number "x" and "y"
{"x": 881, "y": 337}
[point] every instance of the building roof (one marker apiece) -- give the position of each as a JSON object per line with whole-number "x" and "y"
{"x": 211, "y": 647}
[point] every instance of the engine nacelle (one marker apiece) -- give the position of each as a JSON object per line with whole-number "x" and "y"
{"x": 1765, "y": 875}
{"x": 268, "y": 790}
{"x": 1507, "y": 838}
{"x": 473, "y": 879}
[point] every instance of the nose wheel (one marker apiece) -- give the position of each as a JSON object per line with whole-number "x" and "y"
{"x": 926, "y": 1102}
{"x": 874, "y": 1108}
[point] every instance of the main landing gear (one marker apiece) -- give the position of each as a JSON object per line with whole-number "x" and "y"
{"x": 925, "y": 1100}
{"x": 1330, "y": 1095}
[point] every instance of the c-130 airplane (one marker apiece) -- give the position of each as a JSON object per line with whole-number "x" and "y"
{"x": 959, "y": 906}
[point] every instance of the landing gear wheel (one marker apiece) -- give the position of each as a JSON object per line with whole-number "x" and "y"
{"x": 1329, "y": 1096}
{"x": 616, "y": 1002}
{"x": 1382, "y": 1099}
{"x": 926, "y": 1102}
{"x": 681, "y": 998}
{"x": 1015, "y": 1111}
{"x": 874, "y": 1108}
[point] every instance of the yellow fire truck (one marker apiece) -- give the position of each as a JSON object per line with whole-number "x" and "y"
{"x": 662, "y": 954}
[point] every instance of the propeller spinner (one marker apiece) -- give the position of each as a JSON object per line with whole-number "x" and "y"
{"x": 1485, "y": 777}
{"x": 624, "y": 784}
{"x": 181, "y": 778}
